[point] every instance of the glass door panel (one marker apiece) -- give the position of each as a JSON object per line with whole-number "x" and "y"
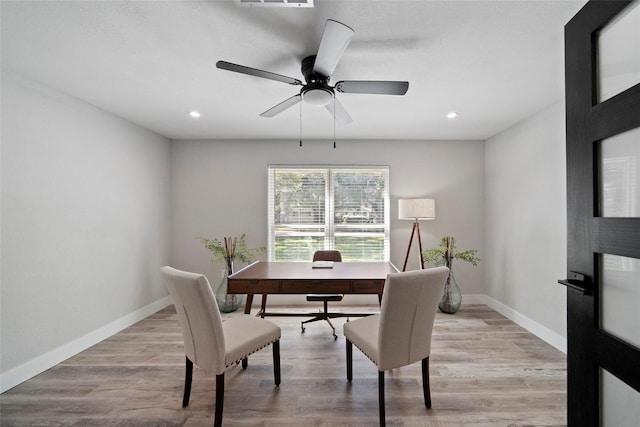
{"x": 619, "y": 53}
{"x": 620, "y": 175}
{"x": 620, "y": 297}
{"x": 620, "y": 404}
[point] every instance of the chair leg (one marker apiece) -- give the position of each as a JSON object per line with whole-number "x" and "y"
{"x": 335, "y": 337}
{"x": 245, "y": 363}
{"x": 219, "y": 400}
{"x": 324, "y": 315}
{"x": 276, "y": 361}
{"x": 315, "y": 319}
{"x": 426, "y": 389}
{"x": 381, "y": 397}
{"x": 188, "y": 375}
{"x": 349, "y": 360}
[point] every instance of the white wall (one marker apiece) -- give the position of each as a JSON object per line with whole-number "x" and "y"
{"x": 219, "y": 188}
{"x": 525, "y": 218}
{"x": 85, "y": 223}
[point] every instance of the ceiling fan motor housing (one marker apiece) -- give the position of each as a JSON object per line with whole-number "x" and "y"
{"x": 317, "y": 90}
{"x": 307, "y": 71}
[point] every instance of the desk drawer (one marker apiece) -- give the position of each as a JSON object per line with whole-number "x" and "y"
{"x": 253, "y": 286}
{"x": 315, "y": 286}
{"x": 372, "y": 286}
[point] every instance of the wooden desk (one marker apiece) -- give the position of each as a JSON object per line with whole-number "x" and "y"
{"x": 300, "y": 278}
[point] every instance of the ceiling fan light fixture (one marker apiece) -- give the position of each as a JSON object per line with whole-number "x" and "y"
{"x": 318, "y": 97}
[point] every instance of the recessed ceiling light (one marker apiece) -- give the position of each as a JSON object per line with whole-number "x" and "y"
{"x": 452, "y": 115}
{"x": 194, "y": 114}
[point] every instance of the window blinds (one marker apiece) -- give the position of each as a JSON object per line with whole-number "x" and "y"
{"x": 314, "y": 208}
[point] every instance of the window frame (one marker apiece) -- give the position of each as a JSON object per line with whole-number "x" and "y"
{"x": 329, "y": 234}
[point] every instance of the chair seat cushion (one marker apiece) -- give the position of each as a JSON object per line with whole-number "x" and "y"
{"x": 246, "y": 334}
{"x": 324, "y": 297}
{"x": 363, "y": 333}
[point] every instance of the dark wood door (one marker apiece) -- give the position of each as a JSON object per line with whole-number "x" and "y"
{"x": 603, "y": 253}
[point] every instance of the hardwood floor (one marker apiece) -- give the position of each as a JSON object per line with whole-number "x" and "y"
{"x": 485, "y": 371}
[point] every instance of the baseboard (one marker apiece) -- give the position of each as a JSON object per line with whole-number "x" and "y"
{"x": 41, "y": 363}
{"x": 542, "y": 332}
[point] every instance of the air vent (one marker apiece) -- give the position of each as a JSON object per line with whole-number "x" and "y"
{"x": 274, "y": 3}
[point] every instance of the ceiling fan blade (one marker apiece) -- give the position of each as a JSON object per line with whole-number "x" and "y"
{"x": 340, "y": 114}
{"x": 290, "y": 102}
{"x": 335, "y": 39}
{"x": 224, "y": 65}
{"x": 373, "y": 87}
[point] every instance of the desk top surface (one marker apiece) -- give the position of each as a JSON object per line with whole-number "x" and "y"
{"x": 305, "y": 271}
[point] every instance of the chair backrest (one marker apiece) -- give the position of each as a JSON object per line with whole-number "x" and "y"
{"x": 407, "y": 313}
{"x": 334, "y": 256}
{"x": 199, "y": 318}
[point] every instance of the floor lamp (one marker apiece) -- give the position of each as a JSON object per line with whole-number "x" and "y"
{"x": 415, "y": 210}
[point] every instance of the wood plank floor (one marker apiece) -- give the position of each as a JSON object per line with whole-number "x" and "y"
{"x": 485, "y": 371}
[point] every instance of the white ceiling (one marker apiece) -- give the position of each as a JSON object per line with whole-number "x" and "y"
{"x": 151, "y": 62}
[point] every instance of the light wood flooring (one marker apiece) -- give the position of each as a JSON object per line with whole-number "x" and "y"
{"x": 485, "y": 371}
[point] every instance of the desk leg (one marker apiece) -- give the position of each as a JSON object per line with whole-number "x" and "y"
{"x": 263, "y": 305}
{"x": 247, "y": 306}
{"x": 379, "y": 299}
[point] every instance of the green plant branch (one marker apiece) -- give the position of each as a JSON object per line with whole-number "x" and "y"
{"x": 220, "y": 250}
{"x": 447, "y": 251}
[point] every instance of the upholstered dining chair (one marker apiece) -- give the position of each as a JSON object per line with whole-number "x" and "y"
{"x": 401, "y": 334}
{"x": 334, "y": 256}
{"x": 210, "y": 343}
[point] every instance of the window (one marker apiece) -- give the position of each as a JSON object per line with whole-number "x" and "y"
{"x": 314, "y": 208}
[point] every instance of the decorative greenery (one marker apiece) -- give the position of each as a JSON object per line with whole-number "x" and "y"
{"x": 447, "y": 252}
{"x": 231, "y": 248}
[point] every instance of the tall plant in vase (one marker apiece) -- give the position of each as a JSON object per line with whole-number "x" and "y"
{"x": 444, "y": 255}
{"x": 227, "y": 251}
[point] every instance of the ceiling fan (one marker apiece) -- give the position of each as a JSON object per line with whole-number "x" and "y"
{"x": 317, "y": 70}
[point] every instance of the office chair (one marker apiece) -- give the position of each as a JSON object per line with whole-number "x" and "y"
{"x": 209, "y": 343}
{"x": 401, "y": 334}
{"x": 334, "y": 256}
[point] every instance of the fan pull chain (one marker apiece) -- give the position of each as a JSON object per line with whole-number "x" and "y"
{"x": 334, "y": 120}
{"x": 300, "y": 123}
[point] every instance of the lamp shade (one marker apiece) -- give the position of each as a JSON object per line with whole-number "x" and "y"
{"x": 416, "y": 209}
